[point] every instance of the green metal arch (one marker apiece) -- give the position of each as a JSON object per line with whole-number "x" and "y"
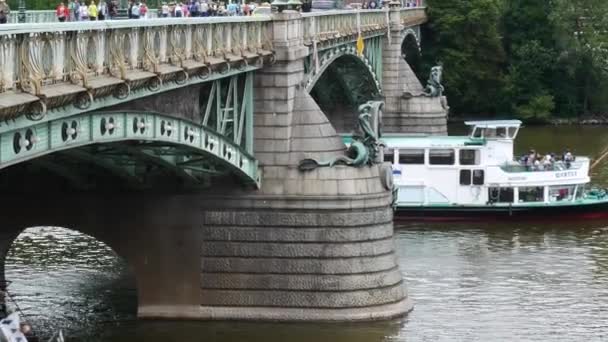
{"x": 330, "y": 56}
{"x": 21, "y": 145}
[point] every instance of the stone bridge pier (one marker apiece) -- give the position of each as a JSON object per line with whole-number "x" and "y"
{"x": 314, "y": 245}
{"x": 403, "y": 113}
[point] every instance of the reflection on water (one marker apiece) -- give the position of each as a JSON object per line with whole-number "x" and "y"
{"x": 470, "y": 282}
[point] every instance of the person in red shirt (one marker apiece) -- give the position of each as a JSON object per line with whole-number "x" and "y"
{"x": 62, "y": 12}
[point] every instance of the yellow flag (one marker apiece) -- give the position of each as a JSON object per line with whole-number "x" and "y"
{"x": 360, "y": 45}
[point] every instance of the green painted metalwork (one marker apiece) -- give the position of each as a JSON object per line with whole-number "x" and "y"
{"x": 108, "y": 101}
{"x": 373, "y": 53}
{"x": 172, "y": 143}
{"x": 329, "y": 56}
{"x": 229, "y": 109}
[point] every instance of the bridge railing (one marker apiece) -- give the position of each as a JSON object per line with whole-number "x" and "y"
{"x": 325, "y": 25}
{"x": 58, "y": 62}
{"x": 413, "y": 16}
{"x": 34, "y": 16}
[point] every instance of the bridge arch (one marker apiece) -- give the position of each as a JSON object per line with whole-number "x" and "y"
{"x": 81, "y": 272}
{"x": 411, "y": 50}
{"x": 343, "y": 81}
{"x": 329, "y": 57}
{"x": 186, "y": 148}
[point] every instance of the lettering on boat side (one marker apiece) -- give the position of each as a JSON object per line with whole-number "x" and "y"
{"x": 520, "y": 178}
{"x": 565, "y": 174}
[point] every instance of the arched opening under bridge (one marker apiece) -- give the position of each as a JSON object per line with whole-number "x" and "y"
{"x": 64, "y": 279}
{"x": 410, "y": 51}
{"x": 344, "y": 85}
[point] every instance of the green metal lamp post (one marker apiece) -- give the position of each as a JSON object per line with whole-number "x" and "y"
{"x": 21, "y": 13}
{"x": 280, "y": 5}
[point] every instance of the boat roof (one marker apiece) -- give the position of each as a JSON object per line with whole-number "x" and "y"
{"x": 493, "y": 123}
{"x": 423, "y": 141}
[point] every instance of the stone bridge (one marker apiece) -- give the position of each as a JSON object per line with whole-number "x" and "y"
{"x": 176, "y": 142}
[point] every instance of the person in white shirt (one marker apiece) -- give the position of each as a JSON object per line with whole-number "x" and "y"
{"x": 164, "y": 10}
{"x": 83, "y": 11}
{"x": 135, "y": 11}
{"x": 204, "y": 9}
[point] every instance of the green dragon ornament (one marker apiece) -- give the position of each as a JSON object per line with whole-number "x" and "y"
{"x": 363, "y": 150}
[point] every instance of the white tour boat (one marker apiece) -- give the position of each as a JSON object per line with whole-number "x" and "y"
{"x": 476, "y": 176}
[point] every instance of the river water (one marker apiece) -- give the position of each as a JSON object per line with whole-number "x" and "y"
{"x": 470, "y": 282}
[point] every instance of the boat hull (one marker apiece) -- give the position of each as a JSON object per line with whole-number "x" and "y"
{"x": 594, "y": 210}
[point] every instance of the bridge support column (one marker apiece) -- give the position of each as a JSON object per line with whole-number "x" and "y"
{"x": 306, "y": 246}
{"x": 418, "y": 114}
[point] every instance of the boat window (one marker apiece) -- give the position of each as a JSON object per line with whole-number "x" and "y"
{"x": 531, "y": 194}
{"x": 415, "y": 156}
{"x": 501, "y": 132}
{"x": 465, "y": 177}
{"x": 477, "y": 132}
{"x": 580, "y": 192}
{"x": 512, "y": 132}
{"x": 435, "y": 196}
{"x": 478, "y": 177}
{"x": 560, "y": 193}
{"x": 389, "y": 155}
{"x": 501, "y": 195}
{"x": 441, "y": 157}
{"x": 410, "y": 194}
{"x": 490, "y": 133}
{"x": 468, "y": 157}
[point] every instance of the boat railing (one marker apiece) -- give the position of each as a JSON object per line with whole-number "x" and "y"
{"x": 554, "y": 166}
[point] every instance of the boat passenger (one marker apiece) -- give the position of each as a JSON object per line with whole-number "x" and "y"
{"x": 568, "y": 158}
{"x": 548, "y": 162}
{"x": 530, "y": 161}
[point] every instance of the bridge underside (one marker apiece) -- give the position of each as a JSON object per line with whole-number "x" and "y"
{"x": 119, "y": 166}
{"x": 122, "y": 150}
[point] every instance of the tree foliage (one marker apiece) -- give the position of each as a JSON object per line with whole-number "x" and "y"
{"x": 520, "y": 58}
{"x": 464, "y": 33}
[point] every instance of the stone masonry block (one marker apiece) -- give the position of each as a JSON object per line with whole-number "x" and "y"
{"x": 300, "y": 266}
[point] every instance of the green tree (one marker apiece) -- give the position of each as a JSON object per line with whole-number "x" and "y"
{"x": 463, "y": 35}
{"x": 582, "y": 34}
{"x": 528, "y": 39}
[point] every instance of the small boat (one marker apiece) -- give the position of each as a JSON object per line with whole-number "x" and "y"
{"x": 13, "y": 327}
{"x": 477, "y": 177}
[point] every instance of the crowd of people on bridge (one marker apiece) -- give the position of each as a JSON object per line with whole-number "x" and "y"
{"x": 90, "y": 10}
{"x": 76, "y": 10}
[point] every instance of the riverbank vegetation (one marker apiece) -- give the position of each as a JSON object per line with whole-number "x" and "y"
{"x": 535, "y": 60}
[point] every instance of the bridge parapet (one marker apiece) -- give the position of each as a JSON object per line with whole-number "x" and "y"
{"x": 45, "y": 66}
{"x": 413, "y": 16}
{"x": 337, "y": 26}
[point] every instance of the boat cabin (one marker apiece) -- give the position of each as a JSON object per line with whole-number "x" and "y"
{"x": 479, "y": 169}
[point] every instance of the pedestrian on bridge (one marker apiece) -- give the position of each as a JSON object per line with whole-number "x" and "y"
{"x": 5, "y": 11}
{"x": 62, "y": 13}
{"x": 93, "y": 11}
{"x": 102, "y": 10}
{"x": 83, "y": 10}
